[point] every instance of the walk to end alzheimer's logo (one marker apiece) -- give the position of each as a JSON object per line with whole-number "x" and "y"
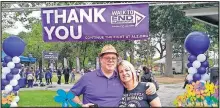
{"x": 126, "y": 18}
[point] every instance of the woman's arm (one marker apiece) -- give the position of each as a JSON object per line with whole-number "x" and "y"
{"x": 155, "y": 102}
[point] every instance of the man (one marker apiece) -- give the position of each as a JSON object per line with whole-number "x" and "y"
{"x": 102, "y": 86}
{"x": 41, "y": 75}
{"x": 59, "y": 74}
{"x": 37, "y": 72}
{"x": 66, "y": 72}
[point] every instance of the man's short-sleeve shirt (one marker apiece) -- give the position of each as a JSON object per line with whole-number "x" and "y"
{"x": 98, "y": 89}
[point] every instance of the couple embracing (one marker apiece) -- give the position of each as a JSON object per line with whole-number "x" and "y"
{"x": 115, "y": 84}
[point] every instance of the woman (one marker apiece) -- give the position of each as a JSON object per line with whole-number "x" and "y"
{"x": 186, "y": 81}
{"x": 134, "y": 94}
{"x": 30, "y": 77}
{"x": 47, "y": 76}
{"x": 72, "y": 75}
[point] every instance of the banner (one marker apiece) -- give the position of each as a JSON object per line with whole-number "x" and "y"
{"x": 97, "y": 22}
{"x": 50, "y": 55}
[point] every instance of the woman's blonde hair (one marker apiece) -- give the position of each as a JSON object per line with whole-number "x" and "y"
{"x": 127, "y": 64}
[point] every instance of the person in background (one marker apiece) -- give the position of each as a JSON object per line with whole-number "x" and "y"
{"x": 41, "y": 75}
{"x": 30, "y": 77}
{"x": 66, "y": 72}
{"x": 148, "y": 77}
{"x": 186, "y": 81}
{"x": 37, "y": 72}
{"x": 47, "y": 76}
{"x": 138, "y": 74}
{"x": 82, "y": 72}
{"x": 22, "y": 71}
{"x": 51, "y": 76}
{"x": 59, "y": 74}
{"x": 72, "y": 75}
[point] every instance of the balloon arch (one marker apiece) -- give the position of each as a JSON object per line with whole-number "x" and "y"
{"x": 13, "y": 47}
{"x": 197, "y": 43}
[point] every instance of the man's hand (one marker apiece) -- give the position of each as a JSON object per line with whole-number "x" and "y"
{"x": 87, "y": 105}
{"x": 152, "y": 88}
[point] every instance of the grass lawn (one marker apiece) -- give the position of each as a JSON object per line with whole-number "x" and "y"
{"x": 36, "y": 98}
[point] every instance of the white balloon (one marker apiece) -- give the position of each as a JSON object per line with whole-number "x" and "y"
{"x": 189, "y": 77}
{"x": 192, "y": 70}
{"x": 6, "y": 70}
{"x": 3, "y": 76}
{"x": 11, "y": 65}
{"x": 201, "y": 57}
{"x": 202, "y": 81}
{"x": 17, "y": 76}
{"x": 13, "y": 82}
{"x": 196, "y": 64}
{"x": 16, "y": 59}
{"x": 14, "y": 104}
{"x": 16, "y": 99}
{"x": 205, "y": 77}
{"x": 8, "y": 88}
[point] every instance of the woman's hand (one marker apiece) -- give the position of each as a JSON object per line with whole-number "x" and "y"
{"x": 87, "y": 105}
{"x": 152, "y": 88}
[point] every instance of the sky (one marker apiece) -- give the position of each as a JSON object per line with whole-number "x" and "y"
{"x": 19, "y": 27}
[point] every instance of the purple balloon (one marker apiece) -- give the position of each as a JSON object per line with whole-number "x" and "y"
{"x": 13, "y": 46}
{"x": 18, "y": 65}
{"x": 190, "y": 82}
{"x": 197, "y": 43}
{"x": 201, "y": 70}
{"x": 189, "y": 65}
{"x": 15, "y": 92}
{"x": 16, "y": 88}
{"x": 205, "y": 64}
{"x": 4, "y": 64}
{"x": 5, "y": 82}
{"x": 14, "y": 71}
{"x": 3, "y": 87}
{"x": 196, "y": 77}
{"x": 192, "y": 58}
{"x": 7, "y": 59}
{"x": 9, "y": 76}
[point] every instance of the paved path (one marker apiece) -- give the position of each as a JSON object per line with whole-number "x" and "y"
{"x": 166, "y": 92}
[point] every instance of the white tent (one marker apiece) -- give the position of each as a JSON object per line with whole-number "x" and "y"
{"x": 162, "y": 61}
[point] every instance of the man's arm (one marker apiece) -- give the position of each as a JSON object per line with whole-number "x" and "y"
{"x": 79, "y": 89}
{"x": 77, "y": 100}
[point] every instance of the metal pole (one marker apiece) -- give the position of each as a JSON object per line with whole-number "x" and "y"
{"x": 42, "y": 59}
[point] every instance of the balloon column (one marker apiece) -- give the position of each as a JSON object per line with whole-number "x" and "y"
{"x": 13, "y": 47}
{"x": 197, "y": 43}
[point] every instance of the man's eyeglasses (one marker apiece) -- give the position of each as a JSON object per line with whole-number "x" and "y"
{"x": 109, "y": 58}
